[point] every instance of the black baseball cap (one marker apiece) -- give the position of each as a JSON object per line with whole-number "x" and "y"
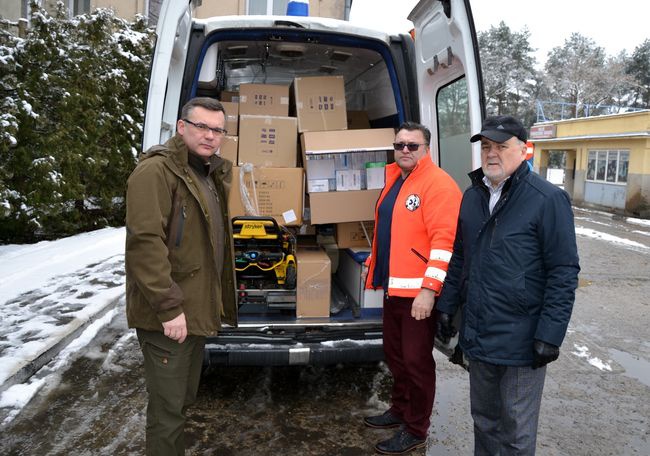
{"x": 500, "y": 129}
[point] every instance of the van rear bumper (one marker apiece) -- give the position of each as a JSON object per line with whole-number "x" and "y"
{"x": 228, "y": 351}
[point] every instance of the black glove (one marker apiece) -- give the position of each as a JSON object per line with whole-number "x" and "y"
{"x": 544, "y": 353}
{"x": 445, "y": 327}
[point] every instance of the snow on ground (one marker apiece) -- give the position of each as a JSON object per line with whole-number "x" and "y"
{"x": 588, "y": 232}
{"x": 19, "y": 395}
{"x": 50, "y": 291}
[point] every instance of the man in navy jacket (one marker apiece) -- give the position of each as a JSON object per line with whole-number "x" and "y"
{"x": 514, "y": 272}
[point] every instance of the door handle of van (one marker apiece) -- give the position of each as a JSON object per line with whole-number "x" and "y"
{"x": 287, "y": 24}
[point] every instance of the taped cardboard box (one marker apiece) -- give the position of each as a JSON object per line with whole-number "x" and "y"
{"x": 319, "y": 103}
{"x": 337, "y": 207}
{"x": 232, "y": 117}
{"x": 314, "y": 283}
{"x": 228, "y": 149}
{"x": 229, "y": 96}
{"x": 343, "y": 206}
{"x": 268, "y": 141}
{"x": 264, "y": 99}
{"x": 358, "y": 120}
{"x": 278, "y": 192}
{"x": 354, "y": 234}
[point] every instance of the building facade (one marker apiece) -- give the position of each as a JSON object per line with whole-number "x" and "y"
{"x": 607, "y": 159}
{"x": 14, "y": 10}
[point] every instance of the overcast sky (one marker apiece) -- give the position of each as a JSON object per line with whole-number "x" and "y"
{"x": 614, "y": 25}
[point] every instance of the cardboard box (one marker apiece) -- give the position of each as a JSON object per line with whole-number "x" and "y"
{"x": 344, "y": 206}
{"x": 319, "y": 103}
{"x": 232, "y": 116}
{"x": 358, "y": 120}
{"x": 268, "y": 141}
{"x": 279, "y": 193}
{"x": 314, "y": 283}
{"x": 229, "y": 96}
{"x": 264, "y": 99}
{"x": 353, "y": 234}
{"x": 337, "y": 207}
{"x": 332, "y": 142}
{"x": 229, "y": 147}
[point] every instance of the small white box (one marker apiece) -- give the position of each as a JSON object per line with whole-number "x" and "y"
{"x": 375, "y": 175}
{"x": 348, "y": 179}
{"x": 320, "y": 168}
{"x": 318, "y": 185}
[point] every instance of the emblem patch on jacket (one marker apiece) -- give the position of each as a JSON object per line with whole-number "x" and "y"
{"x": 412, "y": 202}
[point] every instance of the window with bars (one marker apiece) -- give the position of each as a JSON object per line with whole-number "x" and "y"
{"x": 608, "y": 166}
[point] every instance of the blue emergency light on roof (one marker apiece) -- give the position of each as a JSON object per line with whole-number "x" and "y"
{"x": 298, "y": 8}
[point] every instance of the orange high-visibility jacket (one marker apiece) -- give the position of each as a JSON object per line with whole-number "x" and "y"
{"x": 422, "y": 231}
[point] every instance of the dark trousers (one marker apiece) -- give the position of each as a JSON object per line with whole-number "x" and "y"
{"x": 172, "y": 373}
{"x": 505, "y": 402}
{"x": 408, "y": 346}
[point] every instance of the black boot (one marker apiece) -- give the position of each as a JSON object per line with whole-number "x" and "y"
{"x": 384, "y": 421}
{"x": 402, "y": 442}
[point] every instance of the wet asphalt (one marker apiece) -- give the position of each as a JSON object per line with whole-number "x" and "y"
{"x": 595, "y": 399}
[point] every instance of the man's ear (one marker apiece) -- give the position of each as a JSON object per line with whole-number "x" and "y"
{"x": 180, "y": 127}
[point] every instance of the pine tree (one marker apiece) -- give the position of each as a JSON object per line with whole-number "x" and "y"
{"x": 73, "y": 114}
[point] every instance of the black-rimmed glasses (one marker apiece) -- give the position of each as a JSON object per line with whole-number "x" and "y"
{"x": 412, "y": 147}
{"x": 204, "y": 128}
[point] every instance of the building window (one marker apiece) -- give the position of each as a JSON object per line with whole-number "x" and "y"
{"x": 608, "y": 166}
{"x": 267, "y": 7}
{"x": 81, "y": 7}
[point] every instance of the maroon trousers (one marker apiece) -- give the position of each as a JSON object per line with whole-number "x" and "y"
{"x": 408, "y": 346}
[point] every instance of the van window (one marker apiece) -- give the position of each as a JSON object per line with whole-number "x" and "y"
{"x": 452, "y": 107}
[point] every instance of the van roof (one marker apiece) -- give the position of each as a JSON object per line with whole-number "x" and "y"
{"x": 309, "y": 23}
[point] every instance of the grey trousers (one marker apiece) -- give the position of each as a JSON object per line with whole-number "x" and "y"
{"x": 172, "y": 373}
{"x": 505, "y": 402}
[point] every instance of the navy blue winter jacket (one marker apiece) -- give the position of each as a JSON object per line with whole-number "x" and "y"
{"x": 514, "y": 271}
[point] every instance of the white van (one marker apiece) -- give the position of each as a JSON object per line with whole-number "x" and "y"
{"x": 433, "y": 79}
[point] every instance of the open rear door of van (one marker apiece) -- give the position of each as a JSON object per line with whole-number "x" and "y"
{"x": 166, "y": 78}
{"x": 450, "y": 85}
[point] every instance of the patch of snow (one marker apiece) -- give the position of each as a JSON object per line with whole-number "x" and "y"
{"x": 588, "y": 232}
{"x": 582, "y": 351}
{"x": 636, "y": 221}
{"x": 19, "y": 395}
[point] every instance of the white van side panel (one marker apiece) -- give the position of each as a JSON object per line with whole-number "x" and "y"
{"x": 444, "y": 51}
{"x": 167, "y": 72}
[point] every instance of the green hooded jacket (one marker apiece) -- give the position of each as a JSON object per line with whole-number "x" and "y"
{"x": 170, "y": 264}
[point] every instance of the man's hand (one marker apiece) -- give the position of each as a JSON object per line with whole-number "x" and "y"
{"x": 176, "y": 328}
{"x": 544, "y": 353}
{"x": 423, "y": 304}
{"x": 445, "y": 326}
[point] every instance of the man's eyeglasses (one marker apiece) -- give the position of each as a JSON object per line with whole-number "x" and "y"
{"x": 204, "y": 128}
{"x": 412, "y": 147}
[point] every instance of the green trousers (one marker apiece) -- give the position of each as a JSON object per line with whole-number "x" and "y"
{"x": 172, "y": 373}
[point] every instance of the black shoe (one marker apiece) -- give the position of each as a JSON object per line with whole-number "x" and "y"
{"x": 384, "y": 421}
{"x": 400, "y": 443}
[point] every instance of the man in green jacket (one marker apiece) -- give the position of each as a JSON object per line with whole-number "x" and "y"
{"x": 179, "y": 264}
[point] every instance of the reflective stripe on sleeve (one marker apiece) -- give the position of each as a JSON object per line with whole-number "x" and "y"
{"x": 436, "y": 273}
{"x": 440, "y": 255}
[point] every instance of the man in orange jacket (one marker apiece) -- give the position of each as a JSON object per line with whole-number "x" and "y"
{"x": 415, "y": 227}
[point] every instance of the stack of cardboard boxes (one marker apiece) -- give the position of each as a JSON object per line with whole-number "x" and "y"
{"x": 342, "y": 169}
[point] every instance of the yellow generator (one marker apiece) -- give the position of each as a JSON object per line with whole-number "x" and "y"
{"x": 265, "y": 264}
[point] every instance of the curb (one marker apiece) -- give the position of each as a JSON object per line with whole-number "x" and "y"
{"x": 29, "y": 369}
